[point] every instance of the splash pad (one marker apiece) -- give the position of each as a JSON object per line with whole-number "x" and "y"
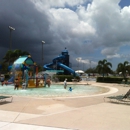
{"x": 54, "y": 91}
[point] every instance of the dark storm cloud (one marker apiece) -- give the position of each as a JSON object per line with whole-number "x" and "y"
{"x": 31, "y": 27}
{"x": 34, "y": 25}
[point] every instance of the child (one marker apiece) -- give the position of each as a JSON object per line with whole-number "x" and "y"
{"x": 48, "y": 82}
{"x": 70, "y": 89}
{"x": 24, "y": 85}
{"x": 16, "y": 84}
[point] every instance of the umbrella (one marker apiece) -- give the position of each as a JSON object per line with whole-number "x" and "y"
{"x": 79, "y": 71}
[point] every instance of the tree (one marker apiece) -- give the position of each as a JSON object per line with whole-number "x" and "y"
{"x": 7, "y": 57}
{"x": 11, "y": 56}
{"x": 91, "y": 70}
{"x": 124, "y": 68}
{"x": 104, "y": 67}
{"x": 4, "y": 67}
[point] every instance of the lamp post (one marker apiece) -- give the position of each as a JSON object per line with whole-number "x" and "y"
{"x": 11, "y": 29}
{"x": 83, "y": 66}
{"x": 43, "y": 42}
{"x": 79, "y": 62}
{"x": 10, "y": 46}
{"x": 90, "y": 64}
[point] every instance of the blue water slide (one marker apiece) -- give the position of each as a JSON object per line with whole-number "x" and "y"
{"x": 66, "y": 68}
{"x": 57, "y": 61}
{"x": 47, "y": 66}
{"x": 62, "y": 65}
{"x": 60, "y": 57}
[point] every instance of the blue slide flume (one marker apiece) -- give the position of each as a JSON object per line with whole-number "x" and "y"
{"x": 60, "y": 61}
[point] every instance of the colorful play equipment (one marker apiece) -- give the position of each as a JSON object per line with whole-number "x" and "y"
{"x": 26, "y": 70}
{"x": 61, "y": 62}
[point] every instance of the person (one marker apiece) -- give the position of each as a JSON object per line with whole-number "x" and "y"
{"x": 65, "y": 83}
{"x": 48, "y": 82}
{"x": 45, "y": 80}
{"x": 16, "y": 84}
{"x": 2, "y": 78}
{"x": 24, "y": 85}
{"x": 70, "y": 89}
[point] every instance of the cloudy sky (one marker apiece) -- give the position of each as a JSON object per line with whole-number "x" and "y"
{"x": 91, "y": 30}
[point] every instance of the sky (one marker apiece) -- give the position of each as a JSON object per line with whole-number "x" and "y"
{"x": 91, "y": 30}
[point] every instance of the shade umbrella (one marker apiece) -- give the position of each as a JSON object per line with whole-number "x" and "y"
{"x": 79, "y": 71}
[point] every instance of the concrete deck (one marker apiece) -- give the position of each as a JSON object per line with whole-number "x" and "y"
{"x": 79, "y": 113}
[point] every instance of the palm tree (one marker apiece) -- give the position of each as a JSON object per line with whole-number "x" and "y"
{"x": 7, "y": 57}
{"x": 17, "y": 53}
{"x": 104, "y": 67}
{"x": 11, "y": 56}
{"x": 123, "y": 67}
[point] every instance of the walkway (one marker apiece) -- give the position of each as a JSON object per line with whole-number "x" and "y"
{"x": 91, "y": 113}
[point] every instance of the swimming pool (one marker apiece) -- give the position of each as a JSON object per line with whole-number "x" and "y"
{"x": 54, "y": 91}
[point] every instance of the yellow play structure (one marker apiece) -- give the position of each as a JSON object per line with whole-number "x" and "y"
{"x": 26, "y": 71}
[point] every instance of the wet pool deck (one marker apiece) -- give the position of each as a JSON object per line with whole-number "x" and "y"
{"x": 79, "y": 113}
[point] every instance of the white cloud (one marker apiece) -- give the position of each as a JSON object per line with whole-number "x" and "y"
{"x": 67, "y": 21}
{"x": 86, "y": 62}
{"x": 113, "y": 56}
{"x": 58, "y": 3}
{"x": 103, "y": 22}
{"x": 109, "y": 51}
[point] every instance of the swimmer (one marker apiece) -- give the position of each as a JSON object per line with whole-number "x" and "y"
{"x": 70, "y": 89}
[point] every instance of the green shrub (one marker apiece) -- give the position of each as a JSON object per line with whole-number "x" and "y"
{"x": 110, "y": 79}
{"x": 68, "y": 77}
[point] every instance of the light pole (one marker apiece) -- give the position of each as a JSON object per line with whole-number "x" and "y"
{"x": 10, "y": 46}
{"x": 79, "y": 62}
{"x": 83, "y": 66}
{"x": 90, "y": 64}
{"x": 43, "y": 42}
{"x": 11, "y": 29}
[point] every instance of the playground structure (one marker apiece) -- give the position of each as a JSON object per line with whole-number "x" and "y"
{"x": 61, "y": 63}
{"x": 25, "y": 70}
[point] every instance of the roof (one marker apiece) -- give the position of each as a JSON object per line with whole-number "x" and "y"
{"x": 27, "y": 59}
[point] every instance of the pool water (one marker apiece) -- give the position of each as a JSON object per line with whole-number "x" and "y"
{"x": 53, "y": 91}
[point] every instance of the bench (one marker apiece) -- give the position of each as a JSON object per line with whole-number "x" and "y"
{"x": 2, "y": 98}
